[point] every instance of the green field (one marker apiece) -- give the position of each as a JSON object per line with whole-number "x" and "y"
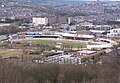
{"x": 12, "y": 53}
{"x": 53, "y": 43}
{"x": 44, "y": 42}
{"x": 75, "y": 44}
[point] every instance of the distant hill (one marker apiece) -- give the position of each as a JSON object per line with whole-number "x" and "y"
{"x": 53, "y": 2}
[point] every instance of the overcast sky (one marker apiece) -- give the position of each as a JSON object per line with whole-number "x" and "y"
{"x": 100, "y": 0}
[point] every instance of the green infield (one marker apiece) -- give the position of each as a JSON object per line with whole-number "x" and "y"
{"x": 64, "y": 43}
{"x": 44, "y": 42}
{"x": 74, "y": 44}
{"x": 12, "y": 53}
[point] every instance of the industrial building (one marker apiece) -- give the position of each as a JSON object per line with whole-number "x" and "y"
{"x": 40, "y": 20}
{"x": 50, "y": 20}
{"x": 114, "y": 32}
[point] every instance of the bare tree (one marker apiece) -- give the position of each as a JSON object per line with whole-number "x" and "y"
{"x": 8, "y": 74}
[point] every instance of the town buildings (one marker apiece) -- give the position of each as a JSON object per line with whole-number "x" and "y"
{"x": 50, "y": 20}
{"x": 114, "y": 32}
{"x": 40, "y": 20}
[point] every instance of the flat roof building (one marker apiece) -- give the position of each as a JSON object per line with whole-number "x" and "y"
{"x": 40, "y": 20}
{"x": 114, "y": 32}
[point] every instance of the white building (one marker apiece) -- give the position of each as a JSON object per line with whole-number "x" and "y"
{"x": 114, "y": 32}
{"x": 4, "y": 24}
{"x": 100, "y": 28}
{"x": 70, "y": 20}
{"x": 40, "y": 20}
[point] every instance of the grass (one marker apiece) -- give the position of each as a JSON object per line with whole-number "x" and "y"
{"x": 45, "y": 53}
{"x": 12, "y": 53}
{"x": 75, "y": 44}
{"x": 44, "y": 42}
{"x": 53, "y": 43}
{"x": 15, "y": 53}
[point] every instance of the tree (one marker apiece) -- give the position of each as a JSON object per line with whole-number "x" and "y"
{"x": 30, "y": 80}
{"x": 8, "y": 74}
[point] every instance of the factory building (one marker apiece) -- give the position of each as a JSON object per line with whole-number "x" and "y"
{"x": 49, "y": 20}
{"x": 114, "y": 32}
{"x": 40, "y": 20}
